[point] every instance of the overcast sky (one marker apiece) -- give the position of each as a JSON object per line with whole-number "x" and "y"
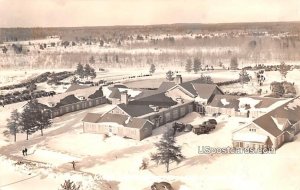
{"x": 41, "y": 13}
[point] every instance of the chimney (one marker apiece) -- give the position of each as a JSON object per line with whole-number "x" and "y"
{"x": 178, "y": 79}
{"x": 124, "y": 97}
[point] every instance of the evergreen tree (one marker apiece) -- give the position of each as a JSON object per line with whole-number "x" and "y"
{"x": 188, "y": 65}
{"x": 234, "y": 63}
{"x": 197, "y": 65}
{"x": 43, "y": 120}
{"x": 93, "y": 73}
{"x": 169, "y": 75}
{"x": 4, "y": 49}
{"x": 79, "y": 70}
{"x": 167, "y": 151}
{"x": 283, "y": 69}
{"x": 29, "y": 118}
{"x": 74, "y": 80}
{"x": 244, "y": 76}
{"x": 87, "y": 70}
{"x": 277, "y": 89}
{"x": 205, "y": 79}
{"x": 13, "y": 124}
{"x": 152, "y": 69}
{"x": 69, "y": 185}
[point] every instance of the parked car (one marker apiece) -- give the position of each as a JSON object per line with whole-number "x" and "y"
{"x": 201, "y": 129}
{"x": 178, "y": 126}
{"x": 209, "y": 125}
{"x": 213, "y": 121}
{"x": 161, "y": 186}
{"x": 216, "y": 114}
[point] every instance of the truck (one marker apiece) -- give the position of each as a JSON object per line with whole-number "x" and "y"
{"x": 201, "y": 129}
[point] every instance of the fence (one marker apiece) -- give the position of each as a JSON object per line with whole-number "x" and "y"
{"x": 55, "y": 112}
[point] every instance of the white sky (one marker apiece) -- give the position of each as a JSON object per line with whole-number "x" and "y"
{"x": 33, "y": 13}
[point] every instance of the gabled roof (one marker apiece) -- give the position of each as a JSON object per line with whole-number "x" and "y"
{"x": 189, "y": 87}
{"x": 57, "y": 97}
{"x": 157, "y": 99}
{"x": 97, "y": 94}
{"x": 166, "y": 86}
{"x": 120, "y": 119}
{"x": 74, "y": 87}
{"x": 91, "y": 117}
{"x": 289, "y": 111}
{"x": 115, "y": 118}
{"x": 205, "y": 91}
{"x": 146, "y": 93}
{"x": 115, "y": 93}
{"x": 136, "y": 122}
{"x": 71, "y": 99}
{"x": 230, "y": 101}
{"x": 135, "y": 110}
{"x": 225, "y": 101}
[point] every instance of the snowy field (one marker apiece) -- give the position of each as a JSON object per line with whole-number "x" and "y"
{"x": 118, "y": 160}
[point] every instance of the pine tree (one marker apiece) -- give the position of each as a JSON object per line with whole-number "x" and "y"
{"x": 80, "y": 71}
{"x": 277, "y": 89}
{"x": 13, "y": 124}
{"x": 28, "y": 117}
{"x": 43, "y": 120}
{"x": 93, "y": 73}
{"x": 205, "y": 79}
{"x": 87, "y": 70}
{"x": 244, "y": 76}
{"x": 283, "y": 69}
{"x": 197, "y": 65}
{"x": 69, "y": 185}
{"x": 167, "y": 151}
{"x": 169, "y": 75}
{"x": 152, "y": 69}
{"x": 188, "y": 65}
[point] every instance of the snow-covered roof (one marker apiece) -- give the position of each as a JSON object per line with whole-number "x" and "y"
{"x": 80, "y": 92}
{"x": 224, "y": 102}
{"x": 289, "y": 111}
{"x": 282, "y": 123}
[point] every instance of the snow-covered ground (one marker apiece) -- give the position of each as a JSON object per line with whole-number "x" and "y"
{"x": 117, "y": 159}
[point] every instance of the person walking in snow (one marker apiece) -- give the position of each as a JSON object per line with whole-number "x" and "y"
{"x": 73, "y": 164}
{"x": 25, "y": 151}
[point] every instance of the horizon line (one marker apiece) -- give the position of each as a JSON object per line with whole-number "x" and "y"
{"x": 159, "y": 24}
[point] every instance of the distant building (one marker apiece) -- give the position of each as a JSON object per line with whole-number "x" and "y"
{"x": 240, "y": 106}
{"x": 272, "y": 129}
{"x": 71, "y": 101}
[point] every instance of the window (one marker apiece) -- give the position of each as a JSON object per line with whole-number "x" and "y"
{"x": 252, "y": 130}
